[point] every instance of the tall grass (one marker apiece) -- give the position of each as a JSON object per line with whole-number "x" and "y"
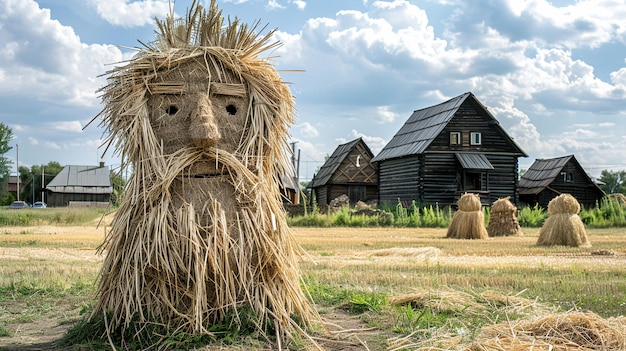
{"x": 607, "y": 213}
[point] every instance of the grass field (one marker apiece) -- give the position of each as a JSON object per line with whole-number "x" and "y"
{"x": 355, "y": 275}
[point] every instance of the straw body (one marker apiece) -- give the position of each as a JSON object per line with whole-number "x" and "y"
{"x": 201, "y": 232}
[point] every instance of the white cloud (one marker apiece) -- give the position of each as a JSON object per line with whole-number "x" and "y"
{"x": 299, "y": 4}
{"x": 67, "y": 126}
{"x": 46, "y": 60}
{"x": 133, "y": 13}
{"x": 619, "y": 77}
{"x": 307, "y": 130}
{"x": 385, "y": 115}
{"x": 274, "y": 5}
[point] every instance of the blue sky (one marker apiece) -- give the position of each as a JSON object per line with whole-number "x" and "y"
{"x": 552, "y": 72}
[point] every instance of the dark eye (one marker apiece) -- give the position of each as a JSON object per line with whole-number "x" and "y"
{"x": 171, "y": 110}
{"x": 231, "y": 109}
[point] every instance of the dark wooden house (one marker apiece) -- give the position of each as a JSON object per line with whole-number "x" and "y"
{"x": 80, "y": 186}
{"x": 347, "y": 171}
{"x": 548, "y": 178}
{"x": 446, "y": 150}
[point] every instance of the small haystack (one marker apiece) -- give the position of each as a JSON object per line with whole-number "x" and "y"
{"x": 469, "y": 221}
{"x": 563, "y": 225}
{"x": 503, "y": 219}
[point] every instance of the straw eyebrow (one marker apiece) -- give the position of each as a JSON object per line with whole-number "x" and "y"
{"x": 178, "y": 88}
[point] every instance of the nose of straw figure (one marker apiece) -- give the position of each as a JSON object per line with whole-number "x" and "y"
{"x": 203, "y": 129}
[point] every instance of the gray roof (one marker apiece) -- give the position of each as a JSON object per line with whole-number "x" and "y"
{"x": 543, "y": 172}
{"x": 82, "y": 180}
{"x": 334, "y": 161}
{"x": 473, "y": 160}
{"x": 425, "y": 125}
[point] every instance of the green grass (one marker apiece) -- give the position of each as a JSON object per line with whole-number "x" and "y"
{"x": 48, "y": 216}
{"x": 609, "y": 213}
{"x": 351, "y": 275}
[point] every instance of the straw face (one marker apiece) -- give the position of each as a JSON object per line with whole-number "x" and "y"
{"x": 201, "y": 231}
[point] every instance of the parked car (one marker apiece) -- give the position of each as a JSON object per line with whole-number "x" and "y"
{"x": 40, "y": 204}
{"x": 18, "y": 204}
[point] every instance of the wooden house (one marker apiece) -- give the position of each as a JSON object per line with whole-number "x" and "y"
{"x": 446, "y": 150}
{"x": 289, "y": 189}
{"x": 347, "y": 171}
{"x": 548, "y": 178}
{"x": 80, "y": 186}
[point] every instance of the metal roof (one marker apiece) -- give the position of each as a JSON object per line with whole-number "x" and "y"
{"x": 334, "y": 161}
{"x": 82, "y": 180}
{"x": 544, "y": 171}
{"x": 425, "y": 125}
{"x": 473, "y": 160}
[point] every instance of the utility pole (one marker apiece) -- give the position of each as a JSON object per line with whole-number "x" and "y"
{"x": 296, "y": 171}
{"x": 17, "y": 158}
{"x": 43, "y": 183}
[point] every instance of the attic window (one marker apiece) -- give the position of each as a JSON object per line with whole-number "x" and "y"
{"x": 475, "y": 138}
{"x": 455, "y": 138}
{"x": 567, "y": 176}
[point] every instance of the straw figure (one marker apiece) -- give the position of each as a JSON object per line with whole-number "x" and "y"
{"x": 563, "y": 225}
{"x": 503, "y": 219}
{"x": 468, "y": 222}
{"x": 201, "y": 233}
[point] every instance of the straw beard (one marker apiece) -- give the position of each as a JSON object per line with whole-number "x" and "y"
{"x": 189, "y": 249}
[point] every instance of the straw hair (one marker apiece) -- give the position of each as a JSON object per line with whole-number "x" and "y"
{"x": 201, "y": 232}
{"x": 469, "y": 221}
{"x": 502, "y": 219}
{"x": 563, "y": 225}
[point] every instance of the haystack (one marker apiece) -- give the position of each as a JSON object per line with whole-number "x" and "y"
{"x": 563, "y": 225}
{"x": 468, "y": 222}
{"x": 503, "y": 219}
{"x": 201, "y": 235}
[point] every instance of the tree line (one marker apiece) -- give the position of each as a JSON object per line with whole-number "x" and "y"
{"x": 31, "y": 185}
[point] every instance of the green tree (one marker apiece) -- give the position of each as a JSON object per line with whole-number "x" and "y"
{"x": 31, "y": 180}
{"x": 6, "y": 135}
{"x": 614, "y": 182}
{"x": 119, "y": 187}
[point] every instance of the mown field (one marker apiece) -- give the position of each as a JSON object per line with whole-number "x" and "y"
{"x": 377, "y": 288}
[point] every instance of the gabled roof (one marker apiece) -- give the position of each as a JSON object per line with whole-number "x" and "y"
{"x": 334, "y": 161}
{"x": 425, "y": 125}
{"x": 82, "y": 180}
{"x": 544, "y": 171}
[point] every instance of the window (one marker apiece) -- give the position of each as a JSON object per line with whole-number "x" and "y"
{"x": 567, "y": 176}
{"x": 475, "y": 138}
{"x": 455, "y": 138}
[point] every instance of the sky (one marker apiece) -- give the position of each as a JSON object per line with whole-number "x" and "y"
{"x": 553, "y": 73}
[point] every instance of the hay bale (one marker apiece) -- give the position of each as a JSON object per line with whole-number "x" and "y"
{"x": 469, "y": 221}
{"x": 563, "y": 225}
{"x": 201, "y": 234}
{"x": 503, "y": 219}
{"x": 564, "y": 331}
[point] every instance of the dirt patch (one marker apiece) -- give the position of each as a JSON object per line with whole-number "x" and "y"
{"x": 37, "y": 331}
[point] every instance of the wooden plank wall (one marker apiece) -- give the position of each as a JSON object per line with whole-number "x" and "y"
{"x": 399, "y": 179}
